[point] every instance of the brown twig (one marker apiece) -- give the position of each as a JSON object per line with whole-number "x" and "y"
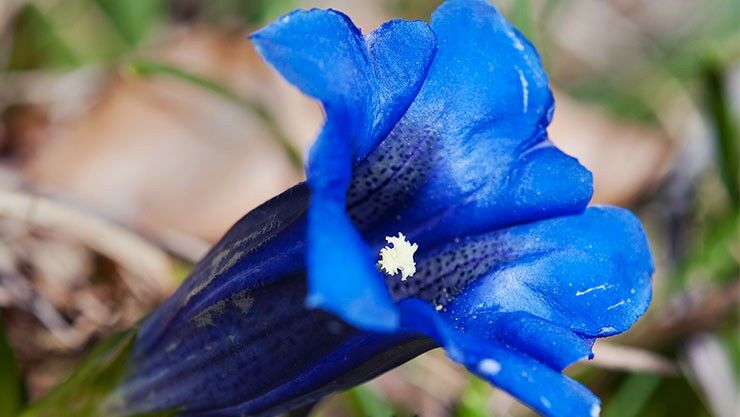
{"x": 147, "y": 263}
{"x": 631, "y": 359}
{"x": 25, "y": 297}
{"x": 688, "y": 313}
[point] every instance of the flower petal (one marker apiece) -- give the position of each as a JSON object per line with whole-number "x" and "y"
{"x": 484, "y": 90}
{"x": 365, "y": 85}
{"x": 264, "y": 245}
{"x": 535, "y": 384}
{"x": 552, "y": 344}
{"x": 589, "y": 273}
{"x": 342, "y": 275}
{"x": 546, "y": 289}
{"x": 471, "y": 153}
{"x": 549, "y": 392}
{"x": 257, "y": 350}
{"x": 367, "y": 82}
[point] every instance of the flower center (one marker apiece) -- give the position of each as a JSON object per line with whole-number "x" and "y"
{"x": 398, "y": 256}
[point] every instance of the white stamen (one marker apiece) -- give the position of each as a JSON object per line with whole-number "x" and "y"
{"x": 595, "y": 410}
{"x": 398, "y": 257}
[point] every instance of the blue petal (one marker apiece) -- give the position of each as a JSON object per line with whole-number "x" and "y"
{"x": 486, "y": 75}
{"x": 553, "y": 344}
{"x": 367, "y": 82}
{"x": 549, "y": 392}
{"x": 589, "y": 273}
{"x": 546, "y": 288}
{"x": 365, "y": 85}
{"x": 266, "y": 244}
{"x": 256, "y": 350}
{"x": 342, "y": 274}
{"x": 471, "y": 153}
{"x": 532, "y": 382}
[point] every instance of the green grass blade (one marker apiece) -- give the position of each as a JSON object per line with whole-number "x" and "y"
{"x": 133, "y": 19}
{"x": 726, "y": 130}
{"x": 474, "y": 400}
{"x": 632, "y": 395}
{"x": 12, "y": 390}
{"x": 36, "y": 43}
{"x": 84, "y": 392}
{"x": 712, "y": 260}
{"x": 522, "y": 16}
{"x": 363, "y": 401}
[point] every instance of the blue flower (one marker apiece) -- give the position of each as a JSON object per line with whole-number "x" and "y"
{"x": 435, "y": 133}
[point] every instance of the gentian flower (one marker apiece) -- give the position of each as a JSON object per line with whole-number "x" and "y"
{"x": 435, "y": 213}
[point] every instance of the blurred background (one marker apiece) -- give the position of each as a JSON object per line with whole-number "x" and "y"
{"x": 134, "y": 133}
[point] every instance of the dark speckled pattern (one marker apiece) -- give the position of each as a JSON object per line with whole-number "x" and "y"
{"x": 443, "y": 273}
{"x": 387, "y": 179}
